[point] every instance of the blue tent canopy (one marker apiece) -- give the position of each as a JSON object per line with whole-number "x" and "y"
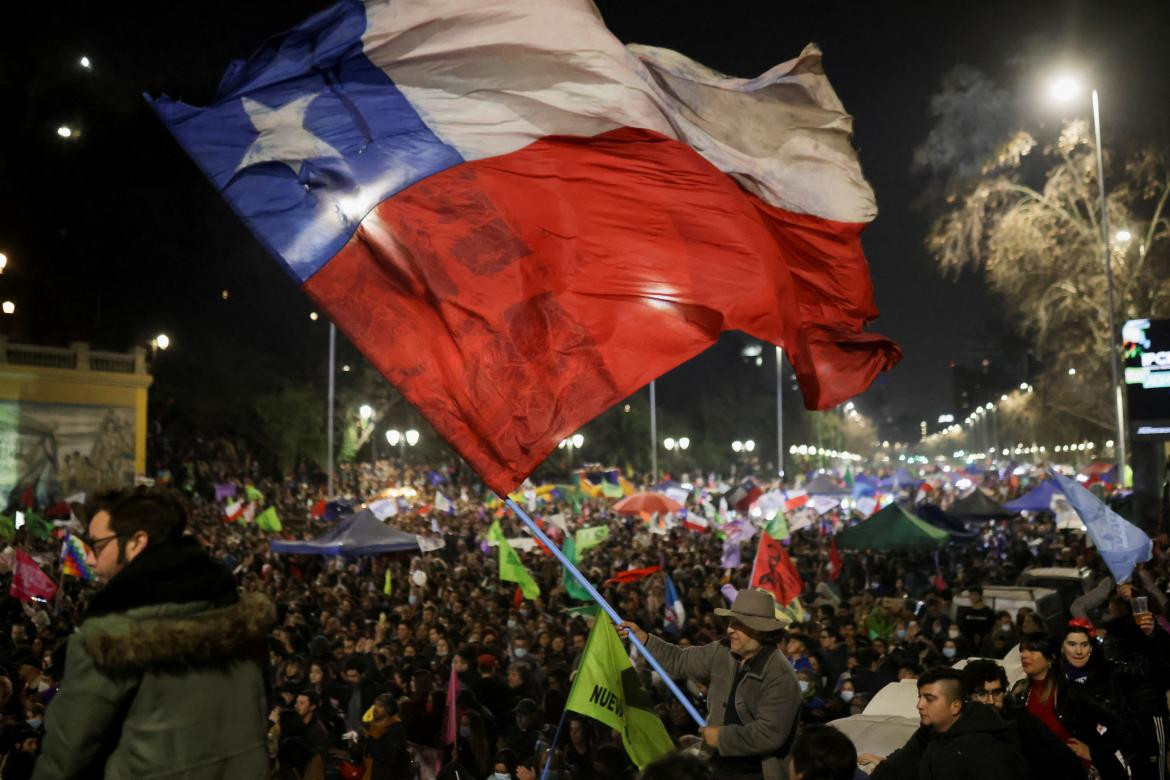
{"x": 359, "y": 534}
{"x": 1038, "y": 499}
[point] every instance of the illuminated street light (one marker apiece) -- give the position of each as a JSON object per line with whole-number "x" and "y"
{"x": 313, "y": 316}
{"x": 65, "y": 131}
{"x": 393, "y": 437}
{"x": 412, "y": 437}
{"x": 737, "y": 446}
{"x": 365, "y": 411}
{"x": 668, "y": 443}
{"x": 749, "y": 445}
{"x": 346, "y": 368}
{"x": 1122, "y": 236}
{"x": 578, "y": 440}
{"x": 683, "y": 442}
{"x": 3, "y": 262}
{"x": 162, "y": 341}
{"x": 8, "y": 307}
{"x": 85, "y": 63}
{"x": 1072, "y": 372}
{"x": 1065, "y": 89}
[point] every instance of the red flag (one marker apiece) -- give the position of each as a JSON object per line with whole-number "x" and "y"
{"x": 632, "y": 575}
{"x": 451, "y": 714}
{"x": 28, "y": 580}
{"x": 775, "y": 572}
{"x": 318, "y": 509}
{"x": 517, "y": 599}
{"x": 836, "y": 562}
{"x": 28, "y": 498}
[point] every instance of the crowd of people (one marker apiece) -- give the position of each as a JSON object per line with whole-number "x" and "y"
{"x": 357, "y": 656}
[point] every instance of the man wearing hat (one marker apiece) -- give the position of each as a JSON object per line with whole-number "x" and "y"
{"x": 753, "y": 697}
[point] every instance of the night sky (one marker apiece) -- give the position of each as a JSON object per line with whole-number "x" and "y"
{"x": 113, "y": 235}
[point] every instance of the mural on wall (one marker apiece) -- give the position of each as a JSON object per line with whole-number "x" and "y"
{"x": 56, "y": 450}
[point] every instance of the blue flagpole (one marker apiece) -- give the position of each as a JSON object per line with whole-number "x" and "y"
{"x": 552, "y": 748}
{"x": 613, "y": 615}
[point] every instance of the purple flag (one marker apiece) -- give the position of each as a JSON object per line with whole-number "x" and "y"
{"x": 224, "y": 490}
{"x": 729, "y": 592}
{"x": 731, "y": 553}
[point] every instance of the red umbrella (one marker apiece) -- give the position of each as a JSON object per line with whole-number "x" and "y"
{"x": 646, "y": 502}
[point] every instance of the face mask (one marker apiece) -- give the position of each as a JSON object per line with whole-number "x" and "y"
{"x": 523, "y": 613}
{"x": 949, "y": 652}
{"x": 803, "y": 686}
{"x": 1006, "y": 628}
{"x": 846, "y": 696}
{"x": 511, "y": 623}
{"x": 34, "y": 723}
{"x": 465, "y": 732}
{"x": 501, "y": 776}
{"x": 900, "y": 633}
{"x": 441, "y": 653}
{"x": 413, "y": 599}
{"x": 953, "y": 633}
{"x": 520, "y": 652}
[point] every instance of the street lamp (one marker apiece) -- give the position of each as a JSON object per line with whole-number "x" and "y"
{"x": 366, "y": 412}
{"x": 3, "y": 262}
{"x": 393, "y": 437}
{"x": 570, "y": 443}
{"x": 161, "y": 341}
{"x": 668, "y": 443}
{"x": 411, "y": 437}
{"x": 737, "y": 446}
{"x": 8, "y": 307}
{"x": 1065, "y": 89}
{"x": 683, "y": 443}
{"x": 749, "y": 445}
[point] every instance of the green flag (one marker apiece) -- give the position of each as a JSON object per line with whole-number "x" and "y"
{"x": 607, "y": 689}
{"x": 386, "y": 584}
{"x": 777, "y": 527}
{"x": 572, "y": 587}
{"x": 610, "y": 490}
{"x": 7, "y": 528}
{"x": 268, "y": 521}
{"x": 591, "y": 537}
{"x": 495, "y": 533}
{"x": 38, "y": 527}
{"x": 252, "y": 493}
{"x": 849, "y": 477}
{"x": 511, "y": 569}
{"x": 585, "y": 610}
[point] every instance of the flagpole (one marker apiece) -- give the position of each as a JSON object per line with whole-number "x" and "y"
{"x": 653, "y": 436}
{"x": 613, "y": 615}
{"x": 329, "y": 414}
{"x": 780, "y": 412}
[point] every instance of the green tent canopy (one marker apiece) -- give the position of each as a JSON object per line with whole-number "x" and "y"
{"x": 893, "y": 528}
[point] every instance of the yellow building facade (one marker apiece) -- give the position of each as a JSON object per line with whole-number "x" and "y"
{"x": 71, "y": 419}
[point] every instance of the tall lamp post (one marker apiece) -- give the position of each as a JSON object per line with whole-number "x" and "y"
{"x": 570, "y": 443}
{"x": 1064, "y": 90}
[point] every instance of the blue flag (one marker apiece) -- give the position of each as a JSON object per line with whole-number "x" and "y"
{"x": 1121, "y": 543}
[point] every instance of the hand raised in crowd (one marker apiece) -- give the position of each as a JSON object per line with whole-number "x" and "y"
{"x": 626, "y": 627}
{"x": 710, "y": 735}
{"x": 1080, "y": 748}
{"x": 1125, "y": 590}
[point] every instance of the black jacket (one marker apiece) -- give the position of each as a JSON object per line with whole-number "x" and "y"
{"x": 978, "y": 746}
{"x": 1046, "y": 755}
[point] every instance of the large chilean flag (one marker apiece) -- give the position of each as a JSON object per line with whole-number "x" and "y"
{"x": 520, "y": 220}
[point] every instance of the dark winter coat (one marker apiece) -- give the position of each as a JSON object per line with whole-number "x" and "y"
{"x": 979, "y": 745}
{"x": 1046, "y": 755}
{"x": 163, "y": 678}
{"x": 767, "y": 699}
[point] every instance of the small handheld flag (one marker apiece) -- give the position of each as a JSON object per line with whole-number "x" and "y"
{"x": 74, "y": 554}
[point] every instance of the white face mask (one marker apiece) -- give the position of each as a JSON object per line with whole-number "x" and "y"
{"x": 949, "y": 652}
{"x": 846, "y": 696}
{"x": 953, "y": 633}
{"x": 1006, "y": 627}
{"x": 803, "y": 686}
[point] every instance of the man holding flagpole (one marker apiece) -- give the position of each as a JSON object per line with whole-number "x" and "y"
{"x": 753, "y": 697}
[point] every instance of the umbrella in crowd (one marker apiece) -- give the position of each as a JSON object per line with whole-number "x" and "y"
{"x": 646, "y": 502}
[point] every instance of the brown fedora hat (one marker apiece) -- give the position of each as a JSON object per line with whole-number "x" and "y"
{"x": 755, "y": 608}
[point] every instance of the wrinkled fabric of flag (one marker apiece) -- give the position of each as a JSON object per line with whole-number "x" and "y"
{"x": 520, "y": 221}
{"x": 1120, "y": 543}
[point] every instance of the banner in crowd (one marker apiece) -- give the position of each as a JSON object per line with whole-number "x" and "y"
{"x": 607, "y": 689}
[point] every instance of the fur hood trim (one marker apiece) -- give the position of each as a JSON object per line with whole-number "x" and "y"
{"x": 184, "y": 640}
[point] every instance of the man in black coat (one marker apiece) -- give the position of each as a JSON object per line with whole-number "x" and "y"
{"x": 957, "y": 740}
{"x": 986, "y": 683}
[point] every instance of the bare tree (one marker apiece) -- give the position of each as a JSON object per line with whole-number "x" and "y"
{"x": 1029, "y": 220}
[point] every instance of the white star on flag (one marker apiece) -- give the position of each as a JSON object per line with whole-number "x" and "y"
{"x": 283, "y": 137}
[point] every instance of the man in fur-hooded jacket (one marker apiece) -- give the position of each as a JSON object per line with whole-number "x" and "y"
{"x": 164, "y": 676}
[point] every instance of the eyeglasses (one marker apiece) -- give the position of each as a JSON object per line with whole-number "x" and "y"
{"x": 97, "y": 545}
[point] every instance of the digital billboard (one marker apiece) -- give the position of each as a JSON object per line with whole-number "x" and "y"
{"x": 1147, "y": 377}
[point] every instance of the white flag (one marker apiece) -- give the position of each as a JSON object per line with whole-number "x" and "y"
{"x": 430, "y": 543}
{"x": 442, "y": 503}
{"x": 383, "y": 508}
